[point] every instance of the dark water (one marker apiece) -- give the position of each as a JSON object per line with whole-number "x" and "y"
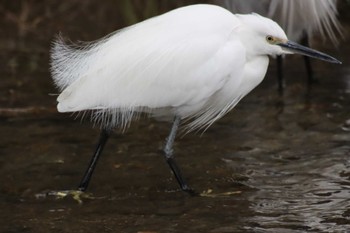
{"x": 285, "y": 160}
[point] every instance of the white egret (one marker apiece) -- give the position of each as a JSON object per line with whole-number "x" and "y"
{"x": 300, "y": 20}
{"x": 193, "y": 64}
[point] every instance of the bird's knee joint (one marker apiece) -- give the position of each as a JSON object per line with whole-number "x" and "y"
{"x": 168, "y": 152}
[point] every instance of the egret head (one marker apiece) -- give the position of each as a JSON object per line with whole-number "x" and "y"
{"x": 266, "y": 37}
{"x": 261, "y": 35}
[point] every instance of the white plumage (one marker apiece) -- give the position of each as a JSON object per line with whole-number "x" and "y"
{"x": 195, "y": 62}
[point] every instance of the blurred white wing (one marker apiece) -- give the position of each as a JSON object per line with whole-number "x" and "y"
{"x": 295, "y": 16}
{"x": 298, "y": 16}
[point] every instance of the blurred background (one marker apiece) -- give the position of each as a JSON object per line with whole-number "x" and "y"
{"x": 286, "y": 157}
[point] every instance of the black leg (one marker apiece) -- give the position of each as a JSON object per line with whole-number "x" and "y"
{"x": 307, "y": 60}
{"x": 87, "y": 176}
{"x": 168, "y": 153}
{"x": 280, "y": 78}
{"x": 310, "y": 78}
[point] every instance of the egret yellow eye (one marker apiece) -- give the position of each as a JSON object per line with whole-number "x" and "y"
{"x": 270, "y": 39}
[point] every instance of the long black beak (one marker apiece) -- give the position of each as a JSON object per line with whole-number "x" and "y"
{"x": 293, "y": 47}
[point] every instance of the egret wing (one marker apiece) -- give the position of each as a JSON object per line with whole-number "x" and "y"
{"x": 159, "y": 63}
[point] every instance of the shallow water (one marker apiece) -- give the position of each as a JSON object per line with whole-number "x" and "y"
{"x": 284, "y": 158}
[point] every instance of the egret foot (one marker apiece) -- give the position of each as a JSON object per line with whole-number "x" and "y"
{"x": 77, "y": 195}
{"x": 210, "y": 193}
